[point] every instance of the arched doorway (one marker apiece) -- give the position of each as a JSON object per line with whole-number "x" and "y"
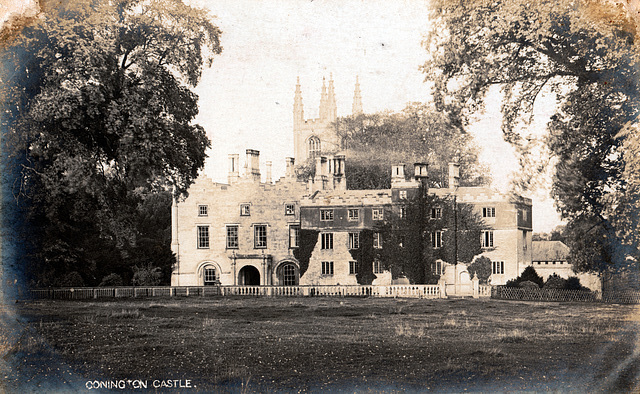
{"x": 249, "y": 276}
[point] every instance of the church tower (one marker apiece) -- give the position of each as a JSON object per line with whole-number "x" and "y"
{"x": 314, "y": 137}
{"x": 298, "y": 109}
{"x": 356, "y": 108}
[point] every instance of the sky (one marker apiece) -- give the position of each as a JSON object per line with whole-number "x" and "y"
{"x": 246, "y": 97}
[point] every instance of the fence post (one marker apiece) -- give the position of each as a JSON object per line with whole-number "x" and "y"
{"x": 442, "y": 284}
{"x": 476, "y": 286}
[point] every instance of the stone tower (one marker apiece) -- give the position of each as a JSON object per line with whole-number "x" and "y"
{"x": 313, "y": 137}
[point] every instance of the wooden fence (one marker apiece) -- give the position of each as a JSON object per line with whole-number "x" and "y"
{"x": 525, "y": 294}
{"x": 401, "y": 291}
{"x": 622, "y": 296}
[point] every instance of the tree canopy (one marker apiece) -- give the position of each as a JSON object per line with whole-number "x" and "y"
{"x": 97, "y": 115}
{"x": 581, "y": 53}
{"x": 419, "y": 133}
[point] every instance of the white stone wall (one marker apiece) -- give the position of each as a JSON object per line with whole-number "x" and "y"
{"x": 267, "y": 206}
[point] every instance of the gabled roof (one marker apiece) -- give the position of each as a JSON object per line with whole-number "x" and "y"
{"x": 549, "y": 251}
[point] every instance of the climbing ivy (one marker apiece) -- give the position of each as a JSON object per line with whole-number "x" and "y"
{"x": 308, "y": 240}
{"x": 364, "y": 255}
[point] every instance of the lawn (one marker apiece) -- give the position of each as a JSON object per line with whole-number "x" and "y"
{"x": 313, "y": 344}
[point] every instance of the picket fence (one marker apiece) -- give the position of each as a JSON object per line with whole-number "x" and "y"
{"x": 526, "y": 294}
{"x": 401, "y": 291}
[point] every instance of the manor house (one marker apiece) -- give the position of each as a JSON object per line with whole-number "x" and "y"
{"x": 292, "y": 231}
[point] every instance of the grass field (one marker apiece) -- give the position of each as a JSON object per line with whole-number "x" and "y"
{"x": 313, "y": 344}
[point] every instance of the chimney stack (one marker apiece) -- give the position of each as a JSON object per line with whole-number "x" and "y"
{"x": 253, "y": 165}
{"x": 454, "y": 175}
{"x": 290, "y": 169}
{"x": 397, "y": 174}
{"x": 420, "y": 170}
{"x": 268, "y": 180}
{"x": 321, "y": 173}
{"x": 234, "y": 170}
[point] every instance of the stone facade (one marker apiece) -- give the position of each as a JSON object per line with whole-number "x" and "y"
{"x": 250, "y": 226}
{"x": 246, "y": 232}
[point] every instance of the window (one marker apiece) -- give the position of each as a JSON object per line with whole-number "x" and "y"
{"x": 327, "y": 268}
{"x": 245, "y": 209}
{"x": 436, "y": 213}
{"x": 377, "y": 241}
{"x": 487, "y": 239}
{"x": 203, "y": 237}
{"x": 437, "y": 268}
{"x": 232, "y": 237}
{"x": 294, "y": 236}
{"x": 260, "y": 236}
{"x": 436, "y": 239}
{"x": 403, "y": 212}
{"x": 327, "y": 240}
{"x": 377, "y": 267}
{"x": 354, "y": 240}
{"x": 289, "y": 275}
{"x": 289, "y": 209}
{"x": 403, "y": 194}
{"x": 354, "y": 215}
{"x": 488, "y": 212}
{"x": 497, "y": 267}
{"x": 353, "y": 267}
{"x": 314, "y": 146}
{"x": 210, "y": 276}
{"x": 203, "y": 210}
{"x": 378, "y": 213}
{"x": 326, "y": 215}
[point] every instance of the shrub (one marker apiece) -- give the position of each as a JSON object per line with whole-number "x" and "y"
{"x": 112, "y": 279}
{"x": 71, "y": 279}
{"x": 527, "y": 284}
{"x": 146, "y": 275}
{"x": 513, "y": 283}
{"x": 530, "y": 274}
{"x": 555, "y": 282}
{"x": 573, "y": 283}
{"x": 481, "y": 267}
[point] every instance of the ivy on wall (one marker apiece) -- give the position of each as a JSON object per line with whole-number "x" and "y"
{"x": 364, "y": 255}
{"x": 308, "y": 240}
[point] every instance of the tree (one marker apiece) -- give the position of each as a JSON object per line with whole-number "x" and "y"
{"x": 481, "y": 267}
{"x": 97, "y": 116}
{"x": 418, "y": 133}
{"x": 583, "y": 54}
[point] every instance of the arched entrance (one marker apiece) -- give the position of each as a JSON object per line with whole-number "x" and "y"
{"x": 288, "y": 274}
{"x": 249, "y": 276}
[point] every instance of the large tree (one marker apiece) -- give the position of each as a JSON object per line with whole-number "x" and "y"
{"x": 419, "y": 133}
{"x": 581, "y": 53}
{"x": 97, "y": 115}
